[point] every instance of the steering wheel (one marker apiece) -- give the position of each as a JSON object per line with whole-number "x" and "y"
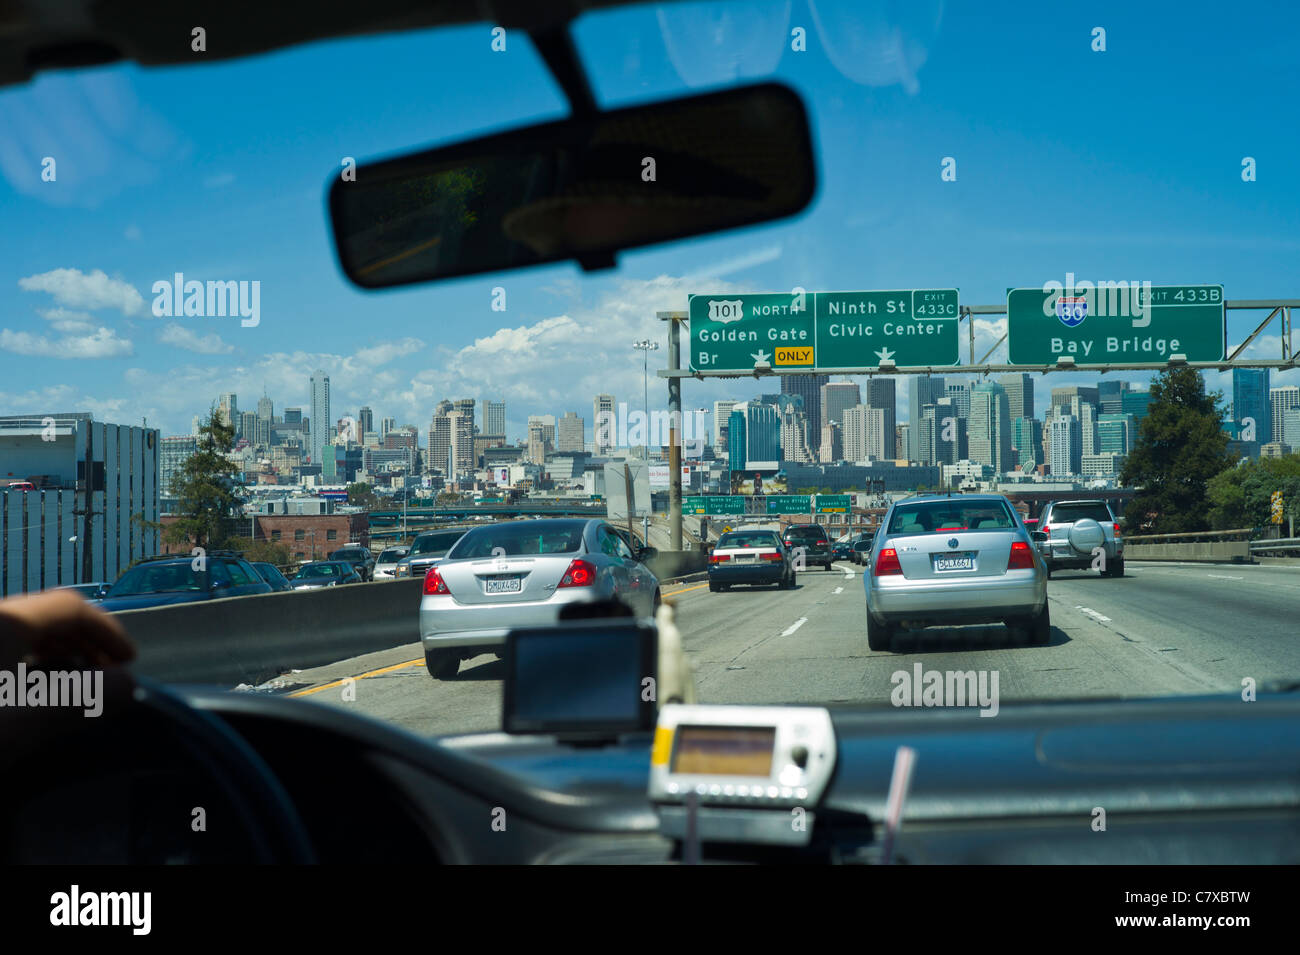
{"x": 130, "y": 775}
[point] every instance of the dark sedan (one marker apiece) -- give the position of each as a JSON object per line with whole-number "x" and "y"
{"x": 750, "y": 557}
{"x": 271, "y": 574}
{"x": 176, "y": 580}
{"x": 325, "y": 573}
{"x": 362, "y": 561}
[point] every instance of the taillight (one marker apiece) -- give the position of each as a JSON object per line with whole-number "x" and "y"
{"x": 719, "y": 558}
{"x": 821, "y": 543}
{"x": 434, "y": 584}
{"x": 887, "y": 563}
{"x": 581, "y": 573}
{"x": 1116, "y": 526}
{"x": 773, "y": 556}
{"x": 1022, "y": 558}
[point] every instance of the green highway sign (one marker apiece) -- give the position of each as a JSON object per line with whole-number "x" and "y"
{"x": 789, "y": 503}
{"x": 807, "y": 331}
{"x": 1115, "y": 322}
{"x": 714, "y": 504}
{"x": 833, "y": 503}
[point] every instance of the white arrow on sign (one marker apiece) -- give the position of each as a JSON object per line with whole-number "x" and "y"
{"x": 760, "y": 356}
{"x": 885, "y": 354}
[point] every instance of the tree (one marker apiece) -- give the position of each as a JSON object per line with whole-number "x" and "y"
{"x": 1242, "y": 496}
{"x": 208, "y": 488}
{"x": 362, "y": 495}
{"x": 262, "y": 550}
{"x": 1180, "y": 447}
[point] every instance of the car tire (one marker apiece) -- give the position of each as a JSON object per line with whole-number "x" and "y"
{"x": 1115, "y": 568}
{"x": 879, "y": 635}
{"x": 442, "y": 664}
{"x": 714, "y": 587}
{"x": 1039, "y": 627}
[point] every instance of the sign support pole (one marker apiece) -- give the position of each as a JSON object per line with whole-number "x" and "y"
{"x": 674, "y": 433}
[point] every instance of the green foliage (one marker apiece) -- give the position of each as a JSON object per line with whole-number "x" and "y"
{"x": 362, "y": 495}
{"x": 263, "y": 550}
{"x": 1180, "y": 447}
{"x": 1242, "y": 496}
{"x": 208, "y": 488}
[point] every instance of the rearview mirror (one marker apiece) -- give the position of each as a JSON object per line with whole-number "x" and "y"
{"x": 579, "y": 189}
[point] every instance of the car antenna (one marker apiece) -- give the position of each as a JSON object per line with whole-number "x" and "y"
{"x": 904, "y": 762}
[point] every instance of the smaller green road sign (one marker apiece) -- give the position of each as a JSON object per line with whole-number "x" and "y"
{"x": 833, "y": 503}
{"x": 1115, "y": 322}
{"x": 789, "y": 503}
{"x": 714, "y": 504}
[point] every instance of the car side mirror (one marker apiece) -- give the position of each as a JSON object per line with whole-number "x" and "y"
{"x": 646, "y": 553}
{"x": 1038, "y": 536}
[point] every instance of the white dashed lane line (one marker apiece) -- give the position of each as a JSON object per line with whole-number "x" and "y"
{"x": 839, "y": 590}
{"x": 794, "y": 626}
{"x": 1088, "y": 611}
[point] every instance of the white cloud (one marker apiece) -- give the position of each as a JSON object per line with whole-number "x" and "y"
{"x": 67, "y": 321}
{"x": 185, "y": 338}
{"x": 102, "y": 343}
{"x": 76, "y": 289}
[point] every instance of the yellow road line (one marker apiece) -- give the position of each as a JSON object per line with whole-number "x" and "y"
{"x": 326, "y": 686}
{"x": 686, "y": 590}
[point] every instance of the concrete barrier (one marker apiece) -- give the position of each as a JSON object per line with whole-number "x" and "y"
{"x": 253, "y": 639}
{"x": 678, "y": 563}
{"x": 1223, "y": 552}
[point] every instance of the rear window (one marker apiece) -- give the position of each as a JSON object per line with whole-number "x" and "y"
{"x": 521, "y": 538}
{"x": 321, "y": 570}
{"x": 812, "y": 533}
{"x": 159, "y": 579}
{"x": 1069, "y": 513}
{"x": 934, "y": 517}
{"x": 753, "y": 539}
{"x": 390, "y": 556}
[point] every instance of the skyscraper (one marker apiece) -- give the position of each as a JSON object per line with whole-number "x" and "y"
{"x": 989, "y": 427}
{"x": 808, "y": 387}
{"x": 1020, "y": 395}
{"x": 604, "y": 424}
{"x": 570, "y": 433}
{"x": 921, "y": 391}
{"x": 494, "y": 417}
{"x": 1066, "y": 445}
{"x": 1116, "y": 433}
{"x": 320, "y": 415}
{"x": 387, "y": 425}
{"x": 1027, "y": 439}
{"x": 1252, "y": 409}
{"x": 762, "y": 436}
{"x": 836, "y": 396}
{"x": 736, "y": 438}
{"x": 1110, "y": 396}
{"x": 959, "y": 392}
{"x": 365, "y": 421}
{"x": 1065, "y": 396}
{"x": 721, "y": 422}
{"x": 1281, "y": 400}
{"x": 228, "y": 407}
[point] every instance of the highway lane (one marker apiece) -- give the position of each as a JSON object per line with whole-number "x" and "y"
{"x": 1162, "y": 629}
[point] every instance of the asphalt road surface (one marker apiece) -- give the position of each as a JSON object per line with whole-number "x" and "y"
{"x": 1163, "y": 629}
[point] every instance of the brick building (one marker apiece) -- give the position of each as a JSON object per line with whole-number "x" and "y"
{"x": 308, "y": 536}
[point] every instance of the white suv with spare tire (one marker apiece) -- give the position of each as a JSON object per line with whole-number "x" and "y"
{"x": 1081, "y": 535}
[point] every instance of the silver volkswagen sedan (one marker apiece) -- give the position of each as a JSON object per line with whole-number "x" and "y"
{"x": 954, "y": 559}
{"x": 519, "y": 574}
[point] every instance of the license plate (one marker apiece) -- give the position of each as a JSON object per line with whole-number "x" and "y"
{"x": 949, "y": 562}
{"x": 503, "y": 585}
{"x": 746, "y": 558}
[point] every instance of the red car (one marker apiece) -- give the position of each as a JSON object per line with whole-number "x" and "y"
{"x": 21, "y": 486}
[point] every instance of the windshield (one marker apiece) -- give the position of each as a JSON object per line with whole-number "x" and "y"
{"x": 525, "y": 537}
{"x": 171, "y": 298}
{"x": 390, "y": 556}
{"x": 435, "y": 545}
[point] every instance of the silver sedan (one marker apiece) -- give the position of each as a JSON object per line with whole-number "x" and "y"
{"x": 520, "y": 574}
{"x": 959, "y": 559}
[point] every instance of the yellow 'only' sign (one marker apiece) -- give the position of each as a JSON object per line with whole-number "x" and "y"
{"x": 801, "y": 355}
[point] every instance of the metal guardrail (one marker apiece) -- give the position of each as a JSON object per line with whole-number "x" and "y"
{"x": 1288, "y": 543}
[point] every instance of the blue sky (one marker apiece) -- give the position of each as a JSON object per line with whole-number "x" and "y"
{"x": 1123, "y": 164}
